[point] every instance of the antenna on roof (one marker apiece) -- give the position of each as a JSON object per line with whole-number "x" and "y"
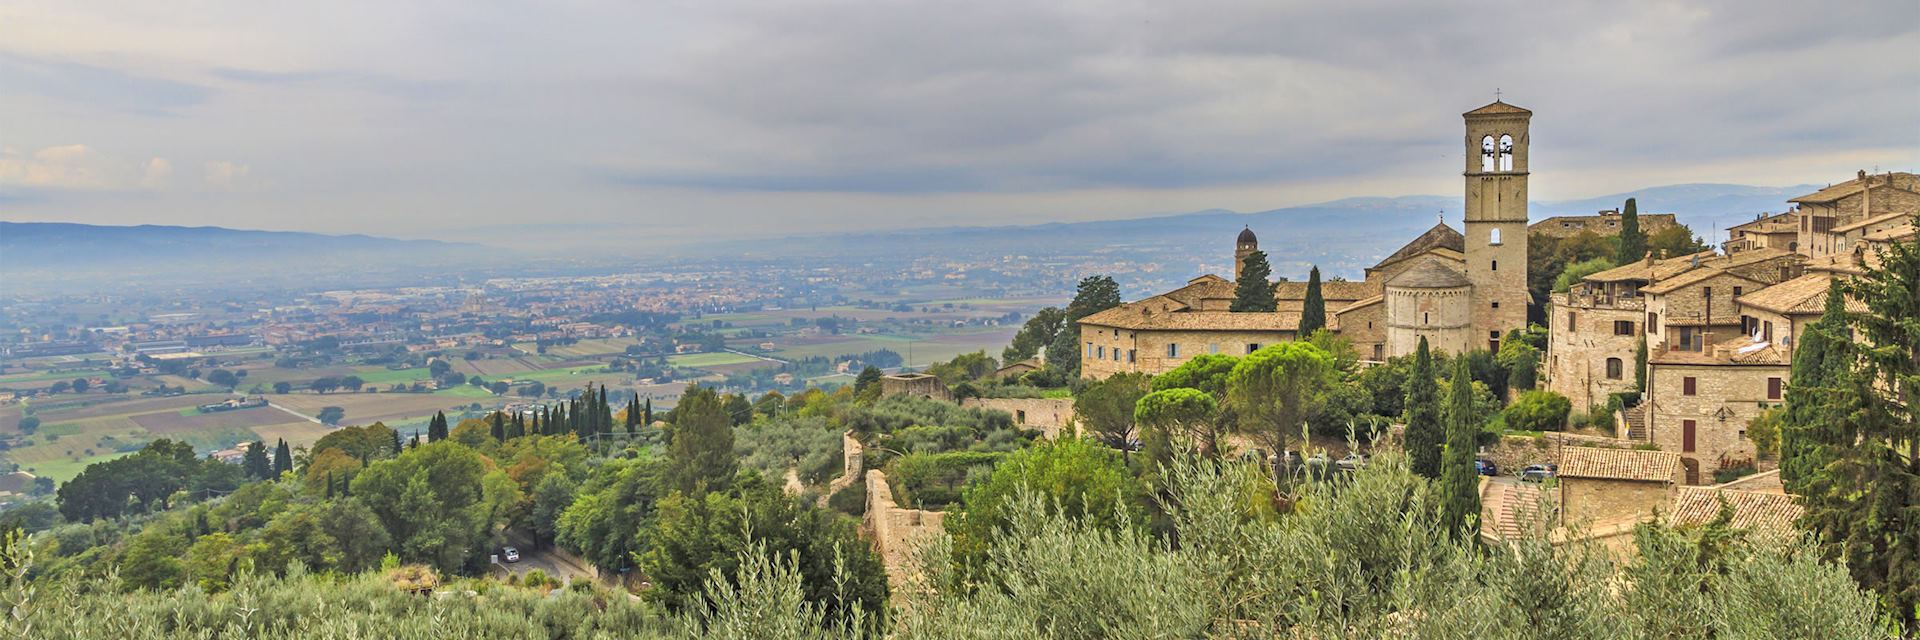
{"x": 1496, "y": 94}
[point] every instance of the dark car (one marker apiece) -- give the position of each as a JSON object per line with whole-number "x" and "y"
{"x": 1539, "y": 472}
{"x": 1486, "y": 467}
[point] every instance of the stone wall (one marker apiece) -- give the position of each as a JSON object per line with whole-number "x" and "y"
{"x": 853, "y": 461}
{"x": 1049, "y": 415}
{"x": 1725, "y": 398}
{"x": 895, "y": 531}
{"x": 1149, "y": 352}
{"x": 1600, "y": 500}
{"x": 1513, "y": 453}
{"x": 915, "y": 384}
{"x": 1442, "y": 316}
{"x": 1582, "y": 338}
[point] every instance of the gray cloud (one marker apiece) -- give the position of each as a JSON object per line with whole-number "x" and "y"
{"x": 692, "y": 116}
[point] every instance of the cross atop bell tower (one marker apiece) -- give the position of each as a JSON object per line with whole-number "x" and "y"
{"x": 1496, "y": 218}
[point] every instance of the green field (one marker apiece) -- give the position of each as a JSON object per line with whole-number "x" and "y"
{"x": 50, "y": 376}
{"x": 385, "y": 376}
{"x": 64, "y": 470}
{"x": 697, "y": 360}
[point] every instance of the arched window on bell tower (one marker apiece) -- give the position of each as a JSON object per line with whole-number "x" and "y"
{"x": 1486, "y": 153}
{"x": 1506, "y": 152}
{"x": 1493, "y": 237}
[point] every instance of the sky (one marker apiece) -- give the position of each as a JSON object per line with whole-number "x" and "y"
{"x": 667, "y": 121}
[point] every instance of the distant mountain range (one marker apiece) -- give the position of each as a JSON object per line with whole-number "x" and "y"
{"x": 45, "y": 254}
{"x": 1342, "y": 235}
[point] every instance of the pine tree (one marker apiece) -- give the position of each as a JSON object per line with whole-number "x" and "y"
{"x": 1253, "y": 292}
{"x": 1313, "y": 312}
{"x": 1633, "y": 241}
{"x": 256, "y": 462}
{"x": 1865, "y": 503}
{"x": 282, "y": 458}
{"x": 1808, "y": 434}
{"x": 1093, "y": 295}
{"x": 1424, "y": 431}
{"x": 1459, "y": 479}
{"x": 437, "y": 427}
{"x": 499, "y": 425}
{"x": 702, "y": 450}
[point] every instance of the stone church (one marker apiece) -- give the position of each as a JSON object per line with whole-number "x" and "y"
{"x": 1460, "y": 291}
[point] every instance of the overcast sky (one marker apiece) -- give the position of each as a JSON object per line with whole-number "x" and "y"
{"x": 685, "y": 119}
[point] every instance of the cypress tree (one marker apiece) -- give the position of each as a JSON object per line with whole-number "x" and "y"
{"x": 1807, "y": 432}
{"x": 1640, "y": 365}
{"x": 647, "y": 411}
{"x": 1253, "y": 292}
{"x": 702, "y": 450}
{"x": 633, "y": 414}
{"x": 256, "y": 462}
{"x": 1864, "y": 502}
{"x": 282, "y": 458}
{"x": 437, "y": 427}
{"x": 1424, "y": 432}
{"x": 1313, "y": 312}
{"x": 329, "y": 485}
{"x": 1459, "y": 479}
{"x": 415, "y": 443}
{"x": 519, "y": 426}
{"x": 1632, "y": 241}
{"x": 499, "y": 426}
{"x": 396, "y": 441}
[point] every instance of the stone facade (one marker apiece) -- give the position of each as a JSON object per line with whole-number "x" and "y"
{"x": 1590, "y": 351}
{"x": 1442, "y": 315}
{"x": 1050, "y": 415}
{"x": 914, "y": 384}
{"x": 1594, "y": 500}
{"x": 1604, "y": 223}
{"x": 1110, "y": 350}
{"x": 1496, "y": 220}
{"x": 1842, "y": 206}
{"x": 1708, "y": 426}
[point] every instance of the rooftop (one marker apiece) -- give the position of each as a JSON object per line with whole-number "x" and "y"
{"x": 1498, "y": 108}
{"x": 1430, "y": 273}
{"x": 1619, "y": 464}
{"x": 1440, "y": 236}
{"x": 1805, "y": 295}
{"x": 1753, "y": 510}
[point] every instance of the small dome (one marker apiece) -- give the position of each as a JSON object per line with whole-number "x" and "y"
{"x": 1246, "y": 236}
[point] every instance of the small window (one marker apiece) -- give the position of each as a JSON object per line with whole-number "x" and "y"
{"x": 1213, "y": 347}
{"x": 1773, "y": 388}
{"x": 1089, "y": 349}
{"x": 1737, "y": 291}
{"x": 1379, "y": 352}
{"x": 1623, "y": 327}
{"x": 1766, "y": 331}
{"x": 1425, "y": 317}
{"x": 1252, "y": 347}
{"x": 1496, "y": 263}
{"x": 1130, "y": 356}
{"x": 1571, "y": 317}
{"x": 1102, "y": 351}
{"x": 1687, "y": 388}
{"x": 1496, "y": 304}
{"x": 1616, "y": 369}
{"x": 1173, "y": 350}
{"x": 1493, "y": 237}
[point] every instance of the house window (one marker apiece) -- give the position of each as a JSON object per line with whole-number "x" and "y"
{"x": 1737, "y": 291}
{"x": 1616, "y": 369}
{"x": 1379, "y": 352}
{"x": 1496, "y": 304}
{"x": 1687, "y": 388}
{"x": 1130, "y": 353}
{"x": 1653, "y": 322}
{"x": 1686, "y": 435}
{"x": 1773, "y": 388}
{"x": 1252, "y": 347}
{"x": 1089, "y": 349}
{"x": 1213, "y": 347}
{"x": 1571, "y": 316}
{"x": 1766, "y": 331}
{"x": 1173, "y": 350}
{"x": 1102, "y": 351}
{"x": 1425, "y": 317}
{"x": 1623, "y": 327}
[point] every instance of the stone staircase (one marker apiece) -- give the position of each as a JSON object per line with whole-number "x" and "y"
{"x": 1634, "y": 420}
{"x": 1512, "y": 509}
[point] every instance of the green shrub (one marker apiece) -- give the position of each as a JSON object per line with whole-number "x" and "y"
{"x": 851, "y": 500}
{"x": 1538, "y": 411}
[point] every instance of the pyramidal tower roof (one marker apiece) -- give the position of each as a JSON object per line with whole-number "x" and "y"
{"x": 1498, "y": 108}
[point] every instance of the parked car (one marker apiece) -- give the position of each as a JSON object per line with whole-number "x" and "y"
{"x": 511, "y": 554}
{"x": 1486, "y": 467}
{"x": 1539, "y": 472}
{"x": 1353, "y": 462}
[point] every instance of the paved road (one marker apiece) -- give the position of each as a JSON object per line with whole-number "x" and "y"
{"x": 547, "y": 562}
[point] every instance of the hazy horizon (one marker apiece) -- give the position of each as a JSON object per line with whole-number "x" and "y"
{"x": 720, "y": 121}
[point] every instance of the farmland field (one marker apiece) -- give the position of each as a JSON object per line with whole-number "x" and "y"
{"x": 64, "y": 470}
{"x": 367, "y": 408}
{"x": 187, "y": 420}
{"x": 697, "y": 360}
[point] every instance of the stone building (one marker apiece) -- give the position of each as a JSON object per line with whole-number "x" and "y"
{"x": 1604, "y": 223}
{"x": 1775, "y": 231}
{"x": 1832, "y": 219}
{"x": 914, "y": 384}
{"x": 1600, "y": 485}
{"x": 1460, "y": 291}
{"x": 1698, "y": 403}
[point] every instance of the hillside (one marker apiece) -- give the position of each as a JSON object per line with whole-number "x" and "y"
{"x": 41, "y": 254}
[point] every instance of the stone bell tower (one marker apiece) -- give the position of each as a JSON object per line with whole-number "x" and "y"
{"x": 1244, "y": 246}
{"x": 1496, "y": 220}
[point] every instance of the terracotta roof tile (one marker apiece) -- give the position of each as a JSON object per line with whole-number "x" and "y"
{"x": 1440, "y": 236}
{"x": 1497, "y": 108}
{"x": 1430, "y": 274}
{"x": 1619, "y": 464}
{"x": 1752, "y": 510}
